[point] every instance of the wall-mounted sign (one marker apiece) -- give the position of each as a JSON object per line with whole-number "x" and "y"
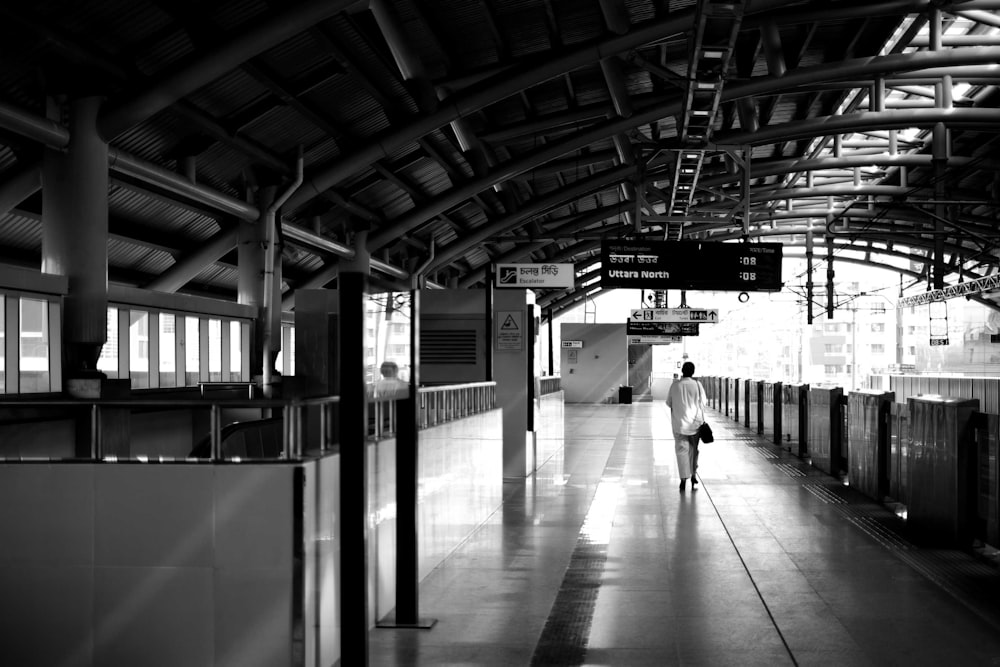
{"x": 691, "y": 265}
{"x": 578, "y": 344}
{"x": 534, "y": 275}
{"x": 661, "y": 328}
{"x": 706, "y": 315}
{"x": 510, "y": 330}
{"x": 654, "y": 340}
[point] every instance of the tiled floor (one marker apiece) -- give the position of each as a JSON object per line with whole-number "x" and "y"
{"x": 601, "y": 560}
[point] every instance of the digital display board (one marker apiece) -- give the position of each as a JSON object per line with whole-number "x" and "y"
{"x": 633, "y": 328}
{"x": 691, "y": 265}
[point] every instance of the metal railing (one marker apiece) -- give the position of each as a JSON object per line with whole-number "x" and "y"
{"x": 445, "y": 403}
{"x": 435, "y": 405}
{"x": 549, "y": 384}
{"x": 97, "y": 410}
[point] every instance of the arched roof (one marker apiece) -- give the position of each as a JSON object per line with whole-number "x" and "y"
{"x": 457, "y": 134}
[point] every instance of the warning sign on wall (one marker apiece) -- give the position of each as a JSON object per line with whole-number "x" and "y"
{"x": 510, "y": 330}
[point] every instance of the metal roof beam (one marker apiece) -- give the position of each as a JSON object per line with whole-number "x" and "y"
{"x": 188, "y": 267}
{"x": 264, "y": 33}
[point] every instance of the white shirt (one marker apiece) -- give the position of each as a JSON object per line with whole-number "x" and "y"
{"x": 686, "y": 399}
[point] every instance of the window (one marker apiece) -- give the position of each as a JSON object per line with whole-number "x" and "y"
{"x": 878, "y": 348}
{"x": 235, "y": 352}
{"x": 107, "y": 363}
{"x": 831, "y": 369}
{"x": 34, "y": 346}
{"x": 3, "y": 343}
{"x": 833, "y": 348}
{"x": 215, "y": 350}
{"x": 288, "y": 348}
{"x": 168, "y": 350}
{"x": 911, "y": 350}
{"x": 878, "y": 327}
{"x": 831, "y": 327}
{"x": 138, "y": 348}
{"x": 192, "y": 351}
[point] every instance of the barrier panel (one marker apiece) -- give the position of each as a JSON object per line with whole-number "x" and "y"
{"x": 941, "y": 469}
{"x": 771, "y": 410}
{"x": 868, "y": 442}
{"x": 795, "y": 418}
{"x": 734, "y": 398}
{"x": 758, "y": 407}
{"x": 824, "y": 428}
{"x": 747, "y": 386}
{"x": 985, "y": 389}
{"x": 987, "y": 439}
{"x": 899, "y": 451}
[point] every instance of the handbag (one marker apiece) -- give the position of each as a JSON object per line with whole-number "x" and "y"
{"x": 705, "y": 433}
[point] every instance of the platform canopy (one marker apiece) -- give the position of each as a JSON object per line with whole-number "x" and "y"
{"x": 448, "y": 136}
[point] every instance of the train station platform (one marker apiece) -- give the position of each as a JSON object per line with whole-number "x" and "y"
{"x": 599, "y": 559}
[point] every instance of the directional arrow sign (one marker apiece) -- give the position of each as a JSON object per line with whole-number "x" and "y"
{"x": 706, "y": 315}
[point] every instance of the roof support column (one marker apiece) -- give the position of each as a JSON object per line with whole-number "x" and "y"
{"x": 940, "y": 161}
{"x": 252, "y": 239}
{"x": 75, "y": 236}
{"x": 809, "y": 275}
{"x": 940, "y": 150}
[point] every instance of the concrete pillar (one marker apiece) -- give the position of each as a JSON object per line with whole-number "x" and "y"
{"x": 513, "y": 361}
{"x": 75, "y": 236}
{"x": 250, "y": 283}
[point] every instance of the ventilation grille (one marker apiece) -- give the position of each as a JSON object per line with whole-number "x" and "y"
{"x": 448, "y": 346}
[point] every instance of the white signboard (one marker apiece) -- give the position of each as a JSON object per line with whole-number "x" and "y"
{"x": 578, "y": 344}
{"x": 510, "y": 329}
{"x": 704, "y": 315}
{"x": 534, "y": 275}
{"x": 654, "y": 340}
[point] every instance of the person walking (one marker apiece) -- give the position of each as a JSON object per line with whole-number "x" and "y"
{"x": 686, "y": 400}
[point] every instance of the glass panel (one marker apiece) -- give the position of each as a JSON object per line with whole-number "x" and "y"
{"x": 3, "y": 344}
{"x": 192, "y": 350}
{"x": 279, "y": 362}
{"x": 215, "y": 350}
{"x": 235, "y": 352}
{"x": 168, "y": 350}
{"x": 288, "y": 347}
{"x": 138, "y": 348}
{"x": 34, "y": 346}
{"x": 388, "y": 346}
{"x": 107, "y": 363}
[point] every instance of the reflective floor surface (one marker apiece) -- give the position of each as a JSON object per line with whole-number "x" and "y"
{"x": 600, "y": 559}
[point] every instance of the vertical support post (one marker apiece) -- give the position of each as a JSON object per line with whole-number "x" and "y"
{"x": 407, "y": 484}
{"x": 251, "y": 239}
{"x": 95, "y": 432}
{"x": 215, "y": 432}
{"x": 351, "y": 288}
{"x": 75, "y": 238}
{"x": 324, "y": 426}
{"x": 552, "y": 362}
{"x": 829, "y": 278}
{"x": 488, "y": 311}
{"x": 809, "y": 275}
